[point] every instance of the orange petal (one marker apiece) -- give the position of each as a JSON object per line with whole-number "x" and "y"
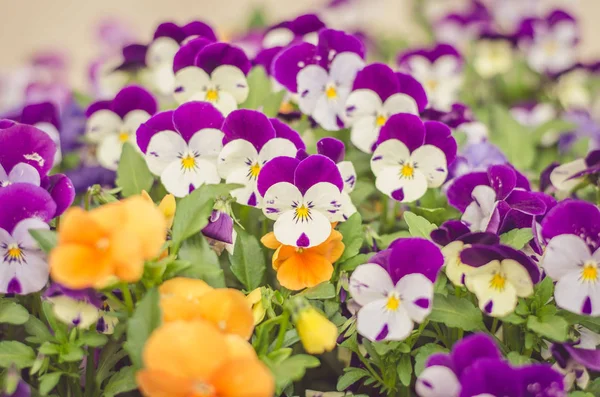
{"x": 77, "y": 266}
{"x": 244, "y": 378}
{"x": 111, "y": 217}
{"x": 78, "y": 227}
{"x": 238, "y": 348}
{"x": 194, "y": 349}
{"x": 126, "y": 254}
{"x": 304, "y": 270}
{"x": 163, "y": 384}
{"x": 270, "y": 241}
{"x": 147, "y": 223}
{"x": 332, "y": 248}
{"x": 175, "y": 308}
{"x": 228, "y": 310}
{"x": 188, "y": 288}
{"x": 282, "y": 254}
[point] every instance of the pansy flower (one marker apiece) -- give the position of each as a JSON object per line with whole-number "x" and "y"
{"x": 438, "y": 69}
{"x": 568, "y": 176}
{"x": 302, "y": 28}
{"x": 412, "y": 156}
{"x": 303, "y": 197}
{"x": 322, "y": 75}
{"x": 550, "y": 42}
{"x": 160, "y": 53}
{"x": 113, "y": 72}
{"x": 476, "y": 156}
{"x": 572, "y": 256}
{"x": 502, "y": 274}
{"x": 78, "y": 308}
{"x": 493, "y": 56}
{"x": 44, "y": 116}
{"x": 461, "y": 28}
{"x": 211, "y": 72}
{"x": 23, "y": 266}
{"x": 457, "y": 115}
{"x": 111, "y": 123}
{"x": 574, "y": 360}
{"x": 454, "y": 237}
{"x": 395, "y": 289}
{"x": 533, "y": 115}
{"x": 250, "y": 141}
{"x": 181, "y": 146}
{"x": 26, "y": 156}
{"x": 377, "y": 94}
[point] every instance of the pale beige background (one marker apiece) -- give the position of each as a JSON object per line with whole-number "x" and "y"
{"x": 28, "y": 25}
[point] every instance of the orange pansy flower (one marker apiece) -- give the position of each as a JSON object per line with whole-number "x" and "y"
{"x": 299, "y": 268}
{"x": 108, "y": 243}
{"x": 193, "y": 359}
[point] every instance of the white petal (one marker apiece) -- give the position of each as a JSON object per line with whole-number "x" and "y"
{"x": 164, "y": 148}
{"x": 33, "y": 274}
{"x": 325, "y": 198}
{"x": 348, "y": 175}
{"x": 190, "y": 81}
{"x": 344, "y": 68}
{"x": 565, "y": 32}
{"x": 390, "y": 153}
{"x": 71, "y": 311}
{"x": 307, "y": 232}
{"x": 411, "y": 288}
{"x": 485, "y": 197}
{"x": 454, "y": 268}
{"x": 437, "y": 381}
{"x": 237, "y": 154}
{"x": 162, "y": 79}
{"x": 280, "y": 198}
{"x": 364, "y": 133}
{"x": 561, "y": 175}
{"x": 276, "y": 147}
{"x": 225, "y": 102}
{"x": 431, "y": 161}
{"x": 53, "y": 133}
{"x": 3, "y": 175}
{"x": 389, "y": 181}
{"x": 476, "y": 218}
{"x": 22, "y": 235}
{"x": 348, "y": 208}
{"x": 371, "y": 319}
{"x": 279, "y": 37}
{"x": 24, "y": 173}
{"x": 207, "y": 142}
{"x": 101, "y": 124}
{"x": 179, "y": 181}
{"x": 370, "y": 282}
{"x": 564, "y": 254}
{"x": 311, "y": 86}
{"x": 231, "y": 80}
{"x": 571, "y": 293}
{"x": 479, "y": 282}
{"x": 400, "y": 103}
{"x": 445, "y": 66}
{"x": 132, "y": 122}
{"x": 326, "y": 113}
{"x": 109, "y": 152}
{"x": 361, "y": 103}
{"x": 400, "y": 324}
{"x": 518, "y": 276}
{"x": 244, "y": 194}
{"x": 420, "y": 68}
{"x": 161, "y": 51}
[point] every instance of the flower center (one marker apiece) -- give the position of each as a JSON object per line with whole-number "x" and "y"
{"x": 103, "y": 244}
{"x": 380, "y": 121}
{"x": 407, "y": 170}
{"x": 212, "y": 95}
{"x": 550, "y": 47}
{"x": 393, "y": 302}
{"x": 498, "y": 282}
{"x": 302, "y": 213}
{"x": 14, "y": 253}
{"x": 590, "y": 272}
{"x": 331, "y": 92}
{"x": 431, "y": 85}
{"x": 202, "y": 389}
{"x": 4, "y": 183}
{"x": 188, "y": 162}
{"x": 123, "y": 136}
{"x": 254, "y": 170}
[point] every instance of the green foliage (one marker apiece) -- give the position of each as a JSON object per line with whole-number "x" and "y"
{"x": 49, "y": 382}
{"x": 46, "y": 239}
{"x": 133, "y": 174}
{"x": 418, "y": 226}
{"x": 203, "y": 262}
{"x": 248, "y": 261}
{"x": 423, "y": 354}
{"x": 121, "y": 382}
{"x": 324, "y": 290}
{"x": 456, "y": 313}
{"x": 15, "y": 353}
{"x": 353, "y": 236}
{"x": 514, "y": 139}
{"x": 517, "y": 238}
{"x": 12, "y": 313}
{"x": 350, "y": 377}
{"x": 145, "y": 319}
{"x": 552, "y": 327}
{"x": 261, "y": 95}
{"x": 290, "y": 369}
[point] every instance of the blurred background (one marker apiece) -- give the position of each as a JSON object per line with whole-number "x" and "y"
{"x": 72, "y": 26}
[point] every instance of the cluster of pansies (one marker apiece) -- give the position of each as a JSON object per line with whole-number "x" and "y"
{"x": 297, "y": 208}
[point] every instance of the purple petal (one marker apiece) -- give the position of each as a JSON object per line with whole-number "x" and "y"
{"x": 573, "y": 217}
{"x": 288, "y": 63}
{"x": 589, "y": 358}
{"x": 62, "y": 191}
{"x": 593, "y": 158}
{"x": 23, "y": 389}
{"x": 333, "y": 42}
{"x": 415, "y": 255}
{"x": 315, "y": 169}
{"x": 432, "y": 54}
{"x": 439, "y": 134}
{"x": 216, "y": 54}
{"x": 23, "y": 143}
{"x": 491, "y": 376}
{"x": 502, "y": 179}
{"x": 407, "y": 128}
{"x": 440, "y": 359}
{"x": 84, "y": 177}
{"x": 547, "y": 381}
{"x": 134, "y": 98}
{"x": 411, "y": 87}
{"x": 479, "y": 255}
{"x": 459, "y": 192}
{"x": 45, "y": 112}
{"x": 449, "y": 231}
{"x": 518, "y": 256}
{"x": 186, "y": 55}
{"x": 484, "y": 238}
{"x": 472, "y": 348}
{"x": 279, "y": 169}
{"x": 134, "y": 57}
{"x": 332, "y": 148}
{"x": 305, "y": 24}
{"x": 220, "y": 227}
{"x": 250, "y": 125}
{"x": 21, "y": 201}
{"x": 266, "y": 57}
{"x": 5, "y": 123}
{"x": 378, "y": 78}
{"x": 162, "y": 121}
{"x": 96, "y": 106}
{"x": 526, "y": 202}
{"x": 88, "y": 295}
{"x": 192, "y": 117}
{"x": 169, "y": 29}
{"x": 282, "y": 130}
{"x": 199, "y": 28}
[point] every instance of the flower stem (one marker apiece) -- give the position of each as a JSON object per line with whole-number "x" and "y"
{"x": 494, "y": 326}
{"x": 282, "y": 330}
{"x": 127, "y": 297}
{"x": 90, "y": 378}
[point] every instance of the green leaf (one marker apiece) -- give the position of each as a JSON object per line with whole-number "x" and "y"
{"x": 437, "y": 215}
{"x": 591, "y": 323}
{"x": 350, "y": 377}
{"x": 70, "y": 353}
{"x": 405, "y": 369}
{"x": 272, "y": 103}
{"x": 456, "y": 313}
{"x": 513, "y": 318}
{"x": 133, "y": 174}
{"x": 353, "y": 236}
{"x": 517, "y": 238}
{"x": 248, "y": 261}
{"x": 92, "y": 339}
{"x": 358, "y": 260}
{"x": 109, "y": 358}
{"x": 17, "y": 354}
{"x": 145, "y": 319}
{"x": 204, "y": 262}
{"x": 121, "y": 382}
{"x": 260, "y": 88}
{"x": 193, "y": 211}
{"x": 386, "y": 239}
{"x": 552, "y": 327}
{"x": 423, "y": 354}
{"x": 49, "y": 382}
{"x": 514, "y": 139}
{"x": 291, "y": 369}
{"x": 13, "y": 313}
{"x": 325, "y": 290}
{"x": 46, "y": 239}
{"x": 544, "y": 291}
{"x": 362, "y": 191}
{"x": 37, "y": 328}
{"x": 418, "y": 226}
{"x": 517, "y": 359}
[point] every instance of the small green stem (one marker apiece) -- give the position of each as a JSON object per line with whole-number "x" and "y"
{"x": 494, "y": 328}
{"x": 384, "y": 213}
{"x": 370, "y": 368}
{"x": 127, "y": 297}
{"x": 90, "y": 376}
{"x": 282, "y": 330}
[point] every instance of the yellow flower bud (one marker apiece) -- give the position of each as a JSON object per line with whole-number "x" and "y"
{"x": 316, "y": 332}
{"x": 258, "y": 309}
{"x": 167, "y": 206}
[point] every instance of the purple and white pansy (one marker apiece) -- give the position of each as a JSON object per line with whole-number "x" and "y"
{"x": 322, "y": 75}
{"x": 113, "y": 122}
{"x": 211, "y": 72}
{"x": 461, "y": 28}
{"x": 250, "y": 141}
{"x": 574, "y": 359}
{"x": 377, "y": 94}
{"x": 412, "y": 156}
{"x": 572, "y": 256}
{"x": 44, "y": 116}
{"x": 500, "y": 276}
{"x": 78, "y": 308}
{"x": 160, "y": 53}
{"x": 303, "y": 28}
{"x": 568, "y": 176}
{"x": 303, "y": 197}
{"x": 439, "y": 70}
{"x": 395, "y": 289}
{"x": 181, "y": 146}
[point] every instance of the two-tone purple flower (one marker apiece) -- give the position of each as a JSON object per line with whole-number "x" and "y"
{"x": 412, "y": 156}
{"x": 181, "y": 146}
{"x": 113, "y": 122}
{"x": 78, "y": 308}
{"x": 377, "y": 94}
{"x": 395, "y": 289}
{"x": 568, "y": 176}
{"x": 303, "y": 197}
{"x": 572, "y": 256}
{"x": 303, "y": 28}
{"x": 322, "y": 75}
{"x": 44, "y": 116}
{"x": 439, "y": 70}
{"x": 250, "y": 141}
{"x": 462, "y": 28}
{"x": 211, "y": 72}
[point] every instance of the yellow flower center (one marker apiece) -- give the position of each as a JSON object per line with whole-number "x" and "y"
{"x": 202, "y": 389}
{"x": 407, "y": 171}
{"x": 331, "y": 92}
{"x": 393, "y": 303}
{"x": 123, "y": 136}
{"x": 188, "y": 162}
{"x": 103, "y": 244}
{"x": 498, "y": 282}
{"x": 380, "y": 121}
{"x": 254, "y": 170}
{"x": 302, "y": 213}
{"x": 212, "y": 95}
{"x": 431, "y": 85}
{"x": 590, "y": 272}
{"x": 14, "y": 253}
{"x": 550, "y": 47}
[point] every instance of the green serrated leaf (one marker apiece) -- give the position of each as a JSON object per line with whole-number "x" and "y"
{"x": 272, "y": 103}
{"x": 418, "y": 226}
{"x": 49, "y": 382}
{"x": 71, "y": 353}
{"x": 37, "y": 328}
{"x": 352, "y": 263}
{"x": 13, "y": 313}
{"x": 17, "y": 354}
{"x": 133, "y": 174}
{"x": 423, "y": 354}
{"x": 517, "y": 238}
{"x": 405, "y": 369}
{"x": 544, "y": 291}
{"x": 513, "y": 318}
{"x": 203, "y": 262}
{"x": 324, "y": 290}
{"x": 109, "y": 358}
{"x": 353, "y": 236}
{"x": 552, "y": 327}
{"x": 248, "y": 261}
{"x": 46, "y": 239}
{"x": 456, "y": 313}
{"x": 92, "y": 339}
{"x": 291, "y": 369}
{"x": 350, "y": 377}
{"x": 386, "y": 239}
{"x": 514, "y": 139}
{"x": 121, "y": 382}
{"x": 517, "y": 359}
{"x": 145, "y": 319}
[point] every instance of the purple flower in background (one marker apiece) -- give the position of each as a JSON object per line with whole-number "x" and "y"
{"x": 377, "y": 94}
{"x": 250, "y": 141}
{"x": 477, "y": 157}
{"x": 395, "y": 289}
{"x": 412, "y": 156}
{"x": 211, "y": 72}
{"x": 182, "y": 145}
{"x": 322, "y": 75}
{"x": 574, "y": 360}
{"x": 457, "y": 115}
{"x": 502, "y": 274}
{"x": 463, "y": 27}
{"x": 550, "y": 42}
{"x": 23, "y": 266}
{"x": 572, "y": 256}
{"x": 508, "y": 14}
{"x": 585, "y": 127}
{"x": 303, "y": 197}
{"x": 44, "y": 116}
{"x": 439, "y": 70}
{"x": 112, "y": 123}
{"x": 303, "y": 28}
{"x": 567, "y": 176}
{"x": 22, "y": 390}
{"x": 443, "y": 371}
{"x": 79, "y": 308}
{"x": 533, "y": 115}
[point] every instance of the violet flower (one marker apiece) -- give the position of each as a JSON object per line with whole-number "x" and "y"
{"x": 79, "y": 308}
{"x": 568, "y": 176}
{"x": 574, "y": 361}
{"x": 44, "y": 116}
{"x": 460, "y": 29}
